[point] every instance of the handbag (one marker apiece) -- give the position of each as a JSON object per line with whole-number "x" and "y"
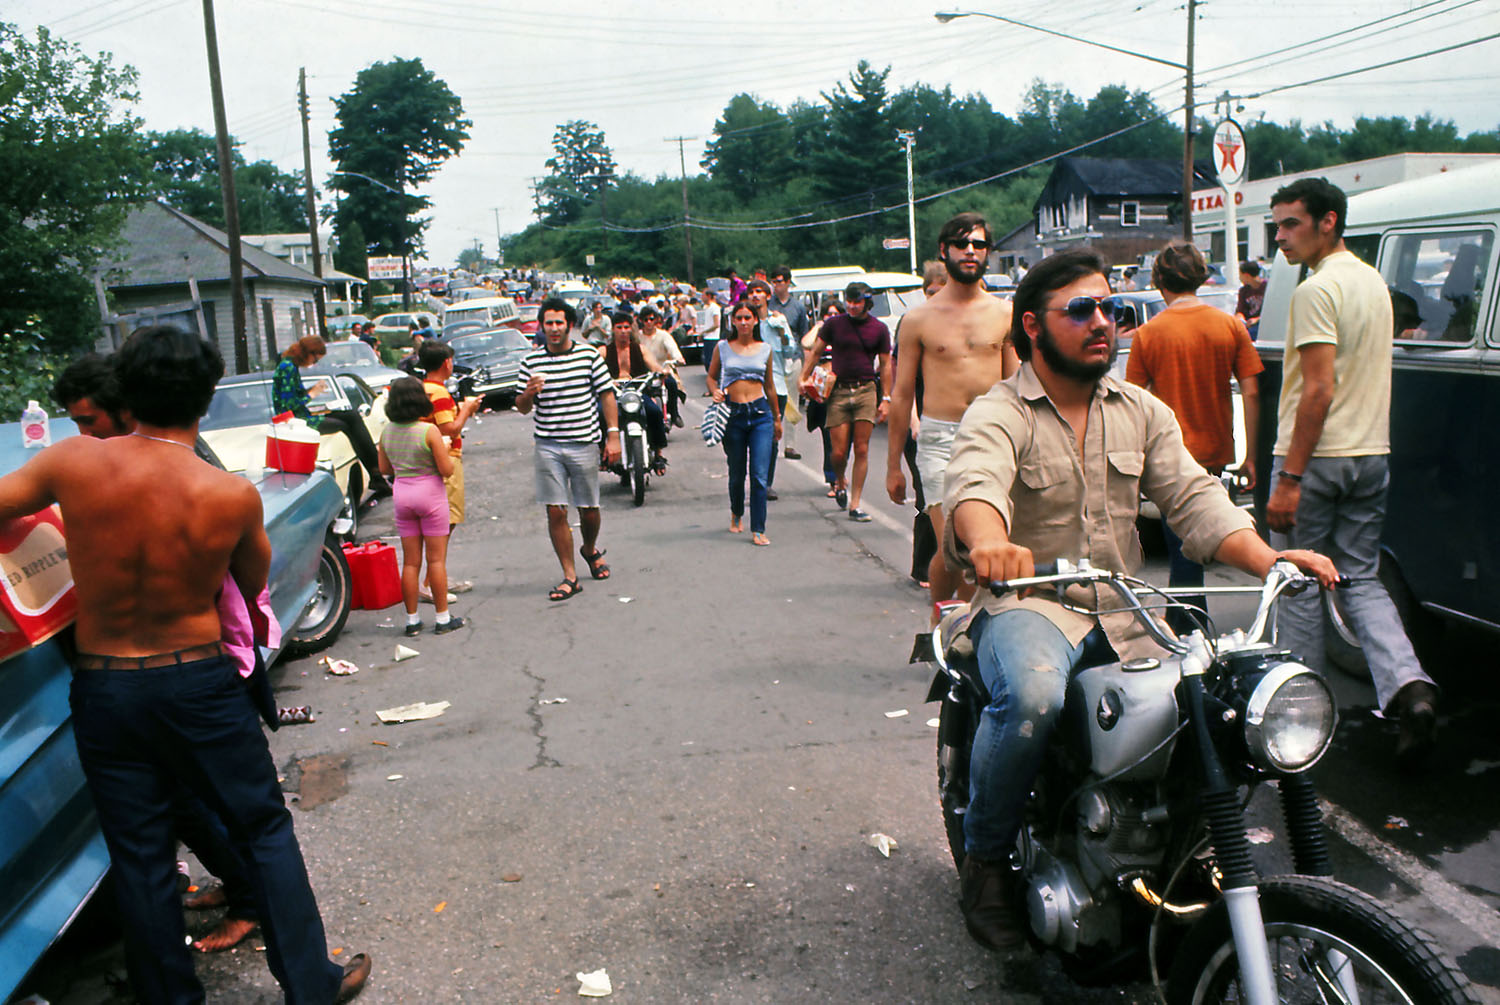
{"x": 715, "y": 419}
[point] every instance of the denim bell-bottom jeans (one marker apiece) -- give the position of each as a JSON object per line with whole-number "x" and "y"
{"x": 749, "y": 440}
{"x": 1026, "y": 662}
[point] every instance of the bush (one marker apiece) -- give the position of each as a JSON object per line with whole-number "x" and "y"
{"x": 32, "y": 366}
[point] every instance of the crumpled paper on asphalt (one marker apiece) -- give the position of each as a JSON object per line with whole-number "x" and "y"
{"x": 882, "y": 843}
{"x": 339, "y": 668}
{"x": 411, "y": 713}
{"x": 594, "y": 985}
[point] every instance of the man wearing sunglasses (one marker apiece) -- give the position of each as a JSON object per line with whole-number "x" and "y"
{"x": 958, "y": 343}
{"x": 1048, "y": 464}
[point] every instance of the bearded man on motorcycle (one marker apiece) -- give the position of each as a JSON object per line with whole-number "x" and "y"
{"x": 1051, "y": 463}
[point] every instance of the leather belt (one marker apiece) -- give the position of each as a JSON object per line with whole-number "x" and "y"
{"x": 97, "y": 661}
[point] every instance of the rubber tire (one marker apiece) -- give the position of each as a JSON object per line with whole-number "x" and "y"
{"x": 1405, "y": 953}
{"x": 351, "y": 502}
{"x": 330, "y": 605}
{"x": 636, "y": 465}
{"x": 955, "y": 744}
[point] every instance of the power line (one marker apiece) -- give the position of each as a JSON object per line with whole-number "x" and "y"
{"x": 1367, "y": 69}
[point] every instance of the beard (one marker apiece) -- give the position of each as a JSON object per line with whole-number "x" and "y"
{"x": 1084, "y": 373}
{"x": 956, "y": 273}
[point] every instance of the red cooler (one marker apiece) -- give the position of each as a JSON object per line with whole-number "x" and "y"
{"x": 376, "y": 575}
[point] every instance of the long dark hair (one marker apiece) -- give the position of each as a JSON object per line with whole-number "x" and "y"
{"x": 744, "y": 305}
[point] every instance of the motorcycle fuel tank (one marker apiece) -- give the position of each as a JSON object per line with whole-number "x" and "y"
{"x": 1124, "y": 711}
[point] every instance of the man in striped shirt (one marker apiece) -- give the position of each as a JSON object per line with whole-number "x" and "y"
{"x": 562, "y": 382}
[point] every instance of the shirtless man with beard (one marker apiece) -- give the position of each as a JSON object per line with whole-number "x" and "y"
{"x": 958, "y": 342}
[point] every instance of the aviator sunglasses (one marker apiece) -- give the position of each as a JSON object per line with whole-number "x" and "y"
{"x": 1081, "y": 309}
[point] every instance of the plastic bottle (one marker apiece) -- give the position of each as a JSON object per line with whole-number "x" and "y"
{"x": 36, "y": 431}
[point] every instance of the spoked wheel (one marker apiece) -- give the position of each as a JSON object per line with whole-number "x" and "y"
{"x": 636, "y": 464}
{"x": 1329, "y": 943}
{"x": 954, "y": 745}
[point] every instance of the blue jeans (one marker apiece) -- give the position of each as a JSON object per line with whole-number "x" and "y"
{"x": 142, "y": 736}
{"x": 750, "y": 435}
{"x": 1340, "y": 514}
{"x": 1026, "y": 663}
{"x": 1182, "y": 571}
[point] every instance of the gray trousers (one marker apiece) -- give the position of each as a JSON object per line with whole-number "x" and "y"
{"x": 1340, "y": 515}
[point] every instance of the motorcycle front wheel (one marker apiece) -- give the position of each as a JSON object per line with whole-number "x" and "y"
{"x": 1329, "y": 942}
{"x": 636, "y": 464}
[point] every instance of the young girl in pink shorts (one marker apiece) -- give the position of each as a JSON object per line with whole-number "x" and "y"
{"x": 415, "y": 454}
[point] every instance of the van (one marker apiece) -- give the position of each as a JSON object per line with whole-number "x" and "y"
{"x": 491, "y": 311}
{"x": 1434, "y": 241}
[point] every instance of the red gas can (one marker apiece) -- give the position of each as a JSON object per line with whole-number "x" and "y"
{"x": 376, "y": 575}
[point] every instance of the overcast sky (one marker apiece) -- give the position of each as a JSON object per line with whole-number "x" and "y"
{"x": 654, "y": 69}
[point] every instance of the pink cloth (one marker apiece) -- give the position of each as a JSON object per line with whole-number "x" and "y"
{"x": 242, "y": 627}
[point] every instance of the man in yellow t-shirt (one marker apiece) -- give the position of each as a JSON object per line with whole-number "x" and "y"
{"x": 1330, "y": 461}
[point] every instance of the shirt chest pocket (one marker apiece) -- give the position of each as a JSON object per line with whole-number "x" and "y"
{"x": 1124, "y": 482}
{"x": 1047, "y": 495}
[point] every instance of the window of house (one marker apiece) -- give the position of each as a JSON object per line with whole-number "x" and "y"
{"x": 299, "y": 255}
{"x": 1437, "y": 283}
{"x": 1130, "y": 214}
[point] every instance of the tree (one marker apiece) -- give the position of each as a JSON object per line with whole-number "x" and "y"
{"x": 471, "y": 259}
{"x": 70, "y": 168}
{"x": 398, "y": 124}
{"x": 751, "y": 152}
{"x": 859, "y": 153}
{"x": 582, "y": 166}
{"x": 185, "y": 170}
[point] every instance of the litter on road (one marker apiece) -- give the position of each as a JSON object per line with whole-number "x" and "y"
{"x": 411, "y": 713}
{"x": 882, "y": 843}
{"x": 394, "y": 778}
{"x": 339, "y": 668}
{"x": 403, "y": 653}
{"x": 594, "y": 985}
{"x": 553, "y": 701}
{"x": 896, "y": 714}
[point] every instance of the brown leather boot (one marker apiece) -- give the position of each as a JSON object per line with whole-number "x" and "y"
{"x": 987, "y": 898}
{"x": 1416, "y": 706}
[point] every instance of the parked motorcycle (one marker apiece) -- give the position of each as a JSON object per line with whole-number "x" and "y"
{"x": 1134, "y": 854}
{"x": 637, "y": 461}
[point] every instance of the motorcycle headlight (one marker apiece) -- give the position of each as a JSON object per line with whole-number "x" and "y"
{"x": 1289, "y": 719}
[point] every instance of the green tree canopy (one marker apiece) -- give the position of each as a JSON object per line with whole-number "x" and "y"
{"x": 70, "y": 167}
{"x": 185, "y": 169}
{"x": 581, "y": 166}
{"x": 398, "y": 124}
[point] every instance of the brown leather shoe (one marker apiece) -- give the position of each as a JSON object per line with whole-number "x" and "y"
{"x": 356, "y": 972}
{"x": 1416, "y": 706}
{"x": 987, "y": 897}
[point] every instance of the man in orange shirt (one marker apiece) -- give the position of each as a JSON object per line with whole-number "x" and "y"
{"x": 1186, "y": 356}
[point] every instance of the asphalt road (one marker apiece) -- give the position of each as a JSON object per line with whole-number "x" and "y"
{"x": 674, "y": 775}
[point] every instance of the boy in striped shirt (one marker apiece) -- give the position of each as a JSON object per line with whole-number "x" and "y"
{"x": 562, "y": 382}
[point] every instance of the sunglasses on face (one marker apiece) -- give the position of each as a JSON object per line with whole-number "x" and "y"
{"x": 1081, "y": 309}
{"x": 963, "y": 243}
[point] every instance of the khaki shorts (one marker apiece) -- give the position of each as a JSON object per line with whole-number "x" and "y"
{"x": 850, "y": 403}
{"x": 454, "y": 483}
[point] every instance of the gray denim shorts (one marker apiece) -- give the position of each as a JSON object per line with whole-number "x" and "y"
{"x": 567, "y": 473}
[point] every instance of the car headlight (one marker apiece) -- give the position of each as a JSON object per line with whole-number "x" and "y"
{"x": 1289, "y": 719}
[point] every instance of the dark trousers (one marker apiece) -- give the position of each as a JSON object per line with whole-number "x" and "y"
{"x": 771, "y": 472}
{"x": 675, "y": 397}
{"x": 207, "y": 838}
{"x": 142, "y": 735}
{"x": 352, "y": 426}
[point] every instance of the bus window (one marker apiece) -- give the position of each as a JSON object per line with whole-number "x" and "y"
{"x": 1436, "y": 282}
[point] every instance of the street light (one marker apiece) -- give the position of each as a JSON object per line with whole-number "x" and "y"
{"x": 944, "y": 17}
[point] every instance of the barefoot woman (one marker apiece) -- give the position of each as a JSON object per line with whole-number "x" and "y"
{"x": 741, "y": 372}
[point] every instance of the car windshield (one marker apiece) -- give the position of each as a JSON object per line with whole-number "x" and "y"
{"x": 394, "y": 320}
{"x": 236, "y": 405}
{"x": 491, "y": 341}
{"x": 342, "y": 355}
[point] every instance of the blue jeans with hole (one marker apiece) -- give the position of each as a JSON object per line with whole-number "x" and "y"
{"x": 749, "y": 439}
{"x": 1340, "y": 513}
{"x": 1026, "y": 663}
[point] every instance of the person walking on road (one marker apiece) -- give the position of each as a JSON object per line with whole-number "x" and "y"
{"x": 158, "y": 704}
{"x": 741, "y": 373}
{"x": 1330, "y": 464}
{"x": 416, "y": 455}
{"x": 775, "y": 331}
{"x": 1186, "y": 356}
{"x": 789, "y": 306}
{"x": 958, "y": 343}
{"x": 563, "y": 382}
{"x": 817, "y": 405}
{"x": 861, "y": 353}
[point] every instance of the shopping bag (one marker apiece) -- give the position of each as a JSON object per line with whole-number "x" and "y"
{"x": 715, "y": 419}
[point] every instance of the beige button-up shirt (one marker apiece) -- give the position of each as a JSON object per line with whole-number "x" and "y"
{"x": 1014, "y": 451}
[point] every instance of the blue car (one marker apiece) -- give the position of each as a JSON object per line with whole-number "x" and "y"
{"x": 52, "y": 854}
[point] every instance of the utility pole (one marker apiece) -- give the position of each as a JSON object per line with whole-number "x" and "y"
{"x": 1187, "y": 131}
{"x": 226, "y": 185}
{"x": 687, "y": 232}
{"x": 497, "y": 234}
{"x": 908, "y": 139}
{"x": 312, "y": 205}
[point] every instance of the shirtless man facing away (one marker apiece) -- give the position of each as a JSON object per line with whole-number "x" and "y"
{"x": 156, "y": 702}
{"x": 959, "y": 342}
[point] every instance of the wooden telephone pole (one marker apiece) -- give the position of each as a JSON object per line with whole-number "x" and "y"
{"x": 312, "y": 205}
{"x": 231, "y": 202}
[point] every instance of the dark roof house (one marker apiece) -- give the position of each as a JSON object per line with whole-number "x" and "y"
{"x": 1122, "y": 207}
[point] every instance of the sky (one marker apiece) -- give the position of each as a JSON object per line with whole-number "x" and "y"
{"x": 651, "y": 70}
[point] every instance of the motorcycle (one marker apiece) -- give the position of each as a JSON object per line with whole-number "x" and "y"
{"x": 637, "y": 461}
{"x": 1135, "y": 826}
